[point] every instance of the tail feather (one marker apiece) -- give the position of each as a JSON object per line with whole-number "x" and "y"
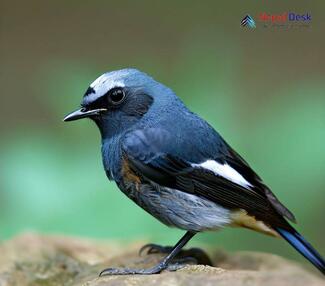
{"x": 303, "y": 247}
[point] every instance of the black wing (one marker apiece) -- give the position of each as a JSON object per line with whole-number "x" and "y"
{"x": 239, "y": 164}
{"x": 144, "y": 150}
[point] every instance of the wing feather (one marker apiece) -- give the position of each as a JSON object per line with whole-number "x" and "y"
{"x": 146, "y": 156}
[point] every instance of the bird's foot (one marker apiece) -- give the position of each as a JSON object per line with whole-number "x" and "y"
{"x": 196, "y": 254}
{"x": 180, "y": 263}
{"x": 152, "y": 248}
{"x": 168, "y": 263}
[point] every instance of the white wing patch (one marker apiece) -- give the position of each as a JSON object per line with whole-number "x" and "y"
{"x": 224, "y": 171}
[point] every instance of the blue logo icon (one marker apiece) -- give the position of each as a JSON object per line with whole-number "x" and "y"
{"x": 248, "y": 22}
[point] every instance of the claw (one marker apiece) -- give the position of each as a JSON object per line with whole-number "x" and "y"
{"x": 129, "y": 271}
{"x": 199, "y": 255}
{"x": 164, "y": 264}
{"x": 148, "y": 247}
{"x": 181, "y": 263}
{"x": 152, "y": 248}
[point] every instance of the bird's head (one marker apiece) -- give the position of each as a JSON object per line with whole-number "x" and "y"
{"x": 119, "y": 99}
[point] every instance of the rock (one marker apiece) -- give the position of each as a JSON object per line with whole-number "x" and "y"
{"x": 39, "y": 260}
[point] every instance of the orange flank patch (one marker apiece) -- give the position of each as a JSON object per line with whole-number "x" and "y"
{"x": 129, "y": 175}
{"x": 240, "y": 218}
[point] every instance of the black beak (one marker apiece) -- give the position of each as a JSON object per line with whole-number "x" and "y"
{"x": 82, "y": 113}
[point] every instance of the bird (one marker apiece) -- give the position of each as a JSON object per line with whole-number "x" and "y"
{"x": 177, "y": 167}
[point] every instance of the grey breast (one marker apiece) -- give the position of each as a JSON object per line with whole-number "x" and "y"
{"x": 178, "y": 209}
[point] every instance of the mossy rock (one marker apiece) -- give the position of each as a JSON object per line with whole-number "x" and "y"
{"x": 39, "y": 260}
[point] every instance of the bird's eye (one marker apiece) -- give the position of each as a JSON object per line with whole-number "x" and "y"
{"x": 116, "y": 96}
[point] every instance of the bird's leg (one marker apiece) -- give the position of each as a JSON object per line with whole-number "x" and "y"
{"x": 196, "y": 254}
{"x": 159, "y": 267}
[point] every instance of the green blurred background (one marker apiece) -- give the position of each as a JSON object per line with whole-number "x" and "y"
{"x": 263, "y": 89}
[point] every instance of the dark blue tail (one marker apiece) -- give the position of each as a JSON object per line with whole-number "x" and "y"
{"x": 303, "y": 246}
